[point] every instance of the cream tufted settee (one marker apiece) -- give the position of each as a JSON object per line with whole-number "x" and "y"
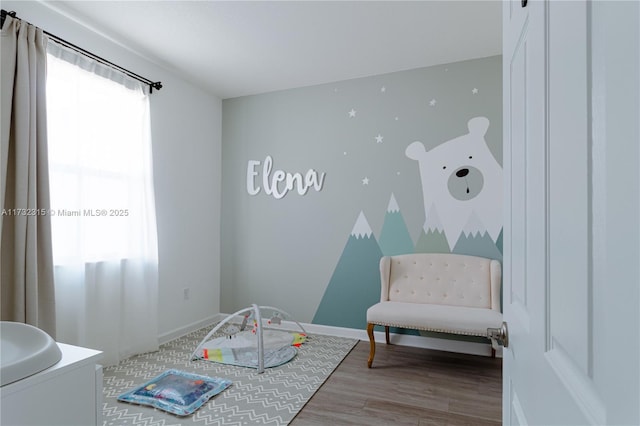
{"x": 447, "y": 293}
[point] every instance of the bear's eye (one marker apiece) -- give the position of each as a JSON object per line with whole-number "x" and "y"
{"x": 470, "y": 157}
{"x": 444, "y": 167}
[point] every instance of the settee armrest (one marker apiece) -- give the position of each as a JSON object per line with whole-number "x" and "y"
{"x": 385, "y": 277}
{"x": 496, "y": 280}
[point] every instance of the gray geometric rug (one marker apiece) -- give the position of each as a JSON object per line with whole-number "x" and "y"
{"x": 271, "y": 398}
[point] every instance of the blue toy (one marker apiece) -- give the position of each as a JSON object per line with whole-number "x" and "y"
{"x": 176, "y": 392}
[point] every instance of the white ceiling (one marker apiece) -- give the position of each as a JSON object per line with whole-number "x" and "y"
{"x": 236, "y": 48}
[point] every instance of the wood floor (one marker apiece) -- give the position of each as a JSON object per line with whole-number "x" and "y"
{"x": 408, "y": 386}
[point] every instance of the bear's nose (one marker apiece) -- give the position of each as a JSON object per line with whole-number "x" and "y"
{"x": 462, "y": 172}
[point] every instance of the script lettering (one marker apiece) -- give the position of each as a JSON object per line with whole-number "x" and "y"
{"x": 278, "y": 183}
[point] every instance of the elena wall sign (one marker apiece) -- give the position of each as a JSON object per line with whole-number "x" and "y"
{"x": 278, "y": 183}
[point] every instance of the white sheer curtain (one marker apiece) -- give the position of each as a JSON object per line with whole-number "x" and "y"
{"x": 104, "y": 228}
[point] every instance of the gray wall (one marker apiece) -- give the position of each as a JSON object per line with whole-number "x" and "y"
{"x": 289, "y": 252}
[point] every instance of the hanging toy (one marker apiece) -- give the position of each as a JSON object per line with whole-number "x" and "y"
{"x": 244, "y": 322}
{"x": 276, "y": 320}
{"x": 231, "y": 331}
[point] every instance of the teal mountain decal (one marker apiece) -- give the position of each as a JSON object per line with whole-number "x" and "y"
{"x": 476, "y": 241}
{"x": 432, "y": 242}
{"x": 355, "y": 284}
{"x": 432, "y": 238}
{"x": 394, "y": 237}
{"x": 477, "y": 245}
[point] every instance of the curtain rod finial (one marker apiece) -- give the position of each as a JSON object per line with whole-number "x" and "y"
{"x": 4, "y": 15}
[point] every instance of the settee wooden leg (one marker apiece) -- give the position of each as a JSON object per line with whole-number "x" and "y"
{"x": 386, "y": 333}
{"x": 493, "y": 353}
{"x": 372, "y": 344}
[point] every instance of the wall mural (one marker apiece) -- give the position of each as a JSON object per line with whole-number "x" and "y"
{"x": 319, "y": 182}
{"x": 459, "y": 177}
{"x": 462, "y": 178}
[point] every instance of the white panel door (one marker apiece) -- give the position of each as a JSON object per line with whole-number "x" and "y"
{"x": 571, "y": 157}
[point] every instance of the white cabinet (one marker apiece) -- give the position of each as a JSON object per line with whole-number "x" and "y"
{"x": 68, "y": 393}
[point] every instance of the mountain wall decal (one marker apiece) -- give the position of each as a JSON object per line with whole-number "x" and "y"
{"x": 394, "y": 237}
{"x": 355, "y": 283}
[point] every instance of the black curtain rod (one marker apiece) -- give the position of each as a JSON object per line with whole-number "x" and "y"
{"x": 152, "y": 84}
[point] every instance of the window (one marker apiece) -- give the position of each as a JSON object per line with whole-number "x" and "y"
{"x": 103, "y": 224}
{"x": 99, "y": 160}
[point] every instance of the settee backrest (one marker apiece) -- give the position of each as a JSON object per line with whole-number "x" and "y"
{"x": 445, "y": 279}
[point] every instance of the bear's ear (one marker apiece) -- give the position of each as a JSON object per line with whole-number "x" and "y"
{"x": 478, "y": 126}
{"x": 415, "y": 150}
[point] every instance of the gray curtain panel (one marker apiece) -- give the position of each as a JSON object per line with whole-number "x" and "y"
{"x": 25, "y": 226}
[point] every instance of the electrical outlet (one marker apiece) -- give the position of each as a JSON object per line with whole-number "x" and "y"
{"x": 186, "y": 293}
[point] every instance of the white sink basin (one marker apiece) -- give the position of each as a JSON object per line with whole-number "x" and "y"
{"x": 24, "y": 350}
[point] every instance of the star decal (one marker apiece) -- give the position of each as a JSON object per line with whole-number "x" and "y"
{"x": 383, "y": 89}
{"x": 379, "y": 138}
{"x": 352, "y": 113}
{"x": 474, "y": 91}
{"x": 433, "y": 102}
{"x": 365, "y": 181}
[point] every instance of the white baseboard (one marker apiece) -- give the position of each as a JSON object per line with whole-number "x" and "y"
{"x": 458, "y": 346}
{"x": 189, "y": 328}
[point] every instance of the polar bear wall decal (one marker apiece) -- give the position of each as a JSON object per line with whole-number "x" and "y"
{"x": 463, "y": 181}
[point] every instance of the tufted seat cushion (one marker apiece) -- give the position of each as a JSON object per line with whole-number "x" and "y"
{"x": 437, "y": 278}
{"x": 430, "y": 317}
